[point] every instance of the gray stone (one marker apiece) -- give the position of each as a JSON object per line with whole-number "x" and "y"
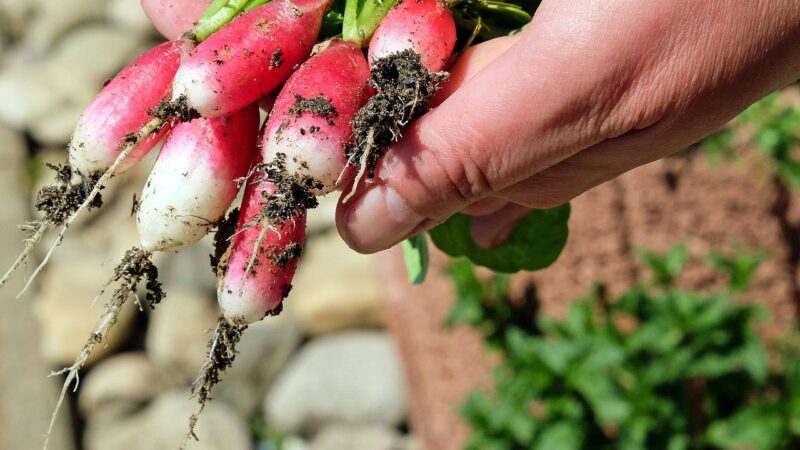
{"x": 56, "y": 127}
{"x": 178, "y": 334}
{"x": 120, "y": 385}
{"x": 53, "y": 19}
{"x": 100, "y": 48}
{"x": 329, "y": 297}
{"x": 164, "y": 423}
{"x": 357, "y": 437}
{"x": 351, "y": 377}
{"x": 128, "y": 14}
{"x": 65, "y": 312}
{"x": 27, "y": 395}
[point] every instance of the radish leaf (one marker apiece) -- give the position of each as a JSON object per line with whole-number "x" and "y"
{"x": 415, "y": 253}
{"x": 534, "y": 244}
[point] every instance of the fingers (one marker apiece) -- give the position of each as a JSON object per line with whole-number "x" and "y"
{"x": 174, "y": 17}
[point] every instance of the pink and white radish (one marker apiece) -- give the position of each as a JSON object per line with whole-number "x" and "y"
{"x": 193, "y": 181}
{"x": 424, "y": 26}
{"x": 172, "y": 18}
{"x": 310, "y": 122}
{"x": 249, "y": 57}
{"x": 256, "y": 272}
{"x": 121, "y": 107}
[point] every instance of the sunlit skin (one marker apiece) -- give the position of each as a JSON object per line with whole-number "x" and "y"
{"x": 590, "y": 90}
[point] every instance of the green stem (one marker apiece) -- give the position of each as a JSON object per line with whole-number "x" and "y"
{"x": 350, "y": 23}
{"x": 216, "y": 16}
{"x": 252, "y": 4}
{"x": 371, "y": 15}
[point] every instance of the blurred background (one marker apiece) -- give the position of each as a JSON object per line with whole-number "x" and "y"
{"x": 669, "y": 321}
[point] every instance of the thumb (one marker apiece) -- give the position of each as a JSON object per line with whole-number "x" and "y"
{"x": 478, "y": 141}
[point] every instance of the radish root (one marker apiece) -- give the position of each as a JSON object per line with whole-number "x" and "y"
{"x": 136, "y": 266}
{"x": 221, "y": 353}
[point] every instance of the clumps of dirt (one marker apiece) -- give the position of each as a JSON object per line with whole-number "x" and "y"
{"x": 320, "y": 106}
{"x": 289, "y": 253}
{"x": 221, "y": 353}
{"x": 404, "y": 87}
{"x": 137, "y": 265}
{"x": 275, "y": 60}
{"x": 292, "y": 193}
{"x": 222, "y": 239}
{"x": 179, "y": 108}
{"x": 62, "y": 198}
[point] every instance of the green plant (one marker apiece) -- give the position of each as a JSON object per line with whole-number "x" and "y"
{"x": 659, "y": 367}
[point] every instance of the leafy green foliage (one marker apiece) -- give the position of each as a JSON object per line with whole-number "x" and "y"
{"x": 534, "y": 244}
{"x": 659, "y": 367}
{"x": 415, "y": 254}
{"x": 776, "y": 128}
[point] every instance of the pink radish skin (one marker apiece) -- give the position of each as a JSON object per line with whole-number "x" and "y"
{"x": 249, "y": 57}
{"x": 172, "y": 18}
{"x": 193, "y": 181}
{"x": 121, "y": 108}
{"x": 315, "y": 146}
{"x": 247, "y": 298}
{"x": 425, "y": 26}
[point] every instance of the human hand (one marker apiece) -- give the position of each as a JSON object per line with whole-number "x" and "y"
{"x": 588, "y": 91}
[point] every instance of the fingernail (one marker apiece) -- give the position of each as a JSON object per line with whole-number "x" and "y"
{"x": 377, "y": 220}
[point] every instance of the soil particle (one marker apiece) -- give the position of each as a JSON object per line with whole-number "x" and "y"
{"x": 178, "y": 108}
{"x": 404, "y": 87}
{"x": 289, "y": 253}
{"x": 137, "y": 265}
{"x": 275, "y": 60}
{"x": 292, "y": 193}
{"x": 58, "y": 201}
{"x": 319, "y": 106}
{"x": 222, "y": 239}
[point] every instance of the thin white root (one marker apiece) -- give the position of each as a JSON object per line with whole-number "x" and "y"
{"x": 30, "y": 244}
{"x": 148, "y": 128}
{"x": 261, "y": 236}
{"x": 106, "y": 322}
{"x": 363, "y": 166}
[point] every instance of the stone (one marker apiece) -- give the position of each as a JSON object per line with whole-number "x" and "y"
{"x": 56, "y": 127}
{"x": 120, "y": 385}
{"x": 53, "y": 19}
{"x": 264, "y": 351}
{"x": 177, "y": 338}
{"x": 128, "y": 14}
{"x": 65, "y": 312}
{"x": 335, "y": 288}
{"x": 351, "y": 377}
{"x": 26, "y": 95}
{"x": 164, "y": 423}
{"x": 357, "y": 437}
{"x": 27, "y": 395}
{"x": 100, "y": 48}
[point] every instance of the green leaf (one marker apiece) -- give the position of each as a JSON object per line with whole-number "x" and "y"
{"x": 534, "y": 244}
{"x": 415, "y": 254}
{"x": 757, "y": 427}
{"x": 564, "y": 435}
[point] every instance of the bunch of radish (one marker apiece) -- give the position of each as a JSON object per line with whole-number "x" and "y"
{"x": 331, "y": 120}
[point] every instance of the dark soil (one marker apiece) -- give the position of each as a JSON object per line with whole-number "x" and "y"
{"x": 58, "y": 201}
{"x": 137, "y": 265}
{"x": 222, "y": 239}
{"x": 293, "y": 192}
{"x": 404, "y": 87}
{"x": 275, "y": 60}
{"x": 319, "y": 106}
{"x": 288, "y": 253}
{"x": 170, "y": 109}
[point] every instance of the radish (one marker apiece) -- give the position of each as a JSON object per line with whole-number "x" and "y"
{"x": 424, "y": 26}
{"x": 408, "y": 50}
{"x": 252, "y": 284}
{"x": 310, "y": 122}
{"x": 193, "y": 181}
{"x": 122, "y": 107}
{"x": 248, "y": 57}
{"x": 101, "y": 135}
